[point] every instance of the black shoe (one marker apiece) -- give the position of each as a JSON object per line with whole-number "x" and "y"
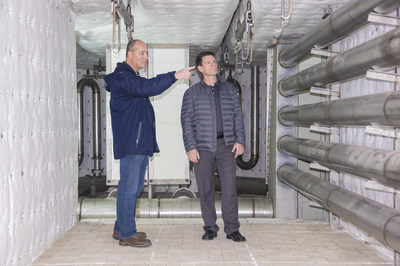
{"x": 236, "y": 236}
{"x": 209, "y": 235}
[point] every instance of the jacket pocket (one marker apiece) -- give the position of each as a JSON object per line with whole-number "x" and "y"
{"x": 139, "y": 132}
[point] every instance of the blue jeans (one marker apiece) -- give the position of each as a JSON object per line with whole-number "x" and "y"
{"x": 130, "y": 185}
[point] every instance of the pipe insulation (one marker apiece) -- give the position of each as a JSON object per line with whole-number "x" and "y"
{"x": 96, "y": 125}
{"x": 376, "y": 219}
{"x": 96, "y": 208}
{"x": 246, "y": 185}
{"x": 374, "y": 164}
{"x": 340, "y": 23}
{"x": 380, "y": 53}
{"x": 377, "y": 109}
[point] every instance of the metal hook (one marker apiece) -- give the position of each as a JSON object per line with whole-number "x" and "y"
{"x": 283, "y": 17}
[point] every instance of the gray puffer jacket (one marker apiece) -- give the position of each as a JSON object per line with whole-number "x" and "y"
{"x": 198, "y": 116}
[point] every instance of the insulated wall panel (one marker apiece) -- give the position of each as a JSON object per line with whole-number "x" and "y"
{"x": 38, "y": 128}
{"x": 171, "y": 163}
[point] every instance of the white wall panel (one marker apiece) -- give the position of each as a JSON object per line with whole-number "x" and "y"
{"x": 171, "y": 162}
{"x": 38, "y": 128}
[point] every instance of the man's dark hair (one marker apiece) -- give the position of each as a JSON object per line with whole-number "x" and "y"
{"x": 199, "y": 57}
{"x": 130, "y": 46}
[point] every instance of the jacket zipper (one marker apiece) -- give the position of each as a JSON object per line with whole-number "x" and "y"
{"x": 138, "y": 134}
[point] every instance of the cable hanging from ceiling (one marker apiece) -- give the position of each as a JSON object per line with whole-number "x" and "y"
{"x": 119, "y": 10}
{"x": 242, "y": 27}
{"x": 284, "y": 17}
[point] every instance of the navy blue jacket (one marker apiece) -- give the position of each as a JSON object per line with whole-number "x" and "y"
{"x": 132, "y": 114}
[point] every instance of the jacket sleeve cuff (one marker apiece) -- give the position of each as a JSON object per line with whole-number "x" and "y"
{"x": 173, "y": 76}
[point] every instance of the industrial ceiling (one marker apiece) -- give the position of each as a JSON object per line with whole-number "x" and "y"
{"x": 201, "y": 24}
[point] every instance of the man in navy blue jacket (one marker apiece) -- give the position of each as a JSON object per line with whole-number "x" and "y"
{"x": 134, "y": 133}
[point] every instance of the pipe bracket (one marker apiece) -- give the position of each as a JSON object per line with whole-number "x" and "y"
{"x": 327, "y": 130}
{"x": 317, "y": 166}
{"x": 383, "y": 19}
{"x": 383, "y": 76}
{"x": 325, "y": 91}
{"x": 323, "y": 52}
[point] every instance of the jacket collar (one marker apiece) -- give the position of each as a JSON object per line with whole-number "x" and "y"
{"x": 219, "y": 81}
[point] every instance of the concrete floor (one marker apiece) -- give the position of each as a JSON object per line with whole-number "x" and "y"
{"x": 177, "y": 241}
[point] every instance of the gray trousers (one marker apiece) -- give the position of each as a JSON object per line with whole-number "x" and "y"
{"x": 204, "y": 170}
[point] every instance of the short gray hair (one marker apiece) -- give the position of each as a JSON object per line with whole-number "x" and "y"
{"x": 130, "y": 47}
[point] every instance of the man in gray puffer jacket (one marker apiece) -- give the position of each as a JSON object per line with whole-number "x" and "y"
{"x": 213, "y": 132}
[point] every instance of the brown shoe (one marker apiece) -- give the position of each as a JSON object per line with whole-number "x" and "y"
{"x": 135, "y": 242}
{"x": 141, "y": 235}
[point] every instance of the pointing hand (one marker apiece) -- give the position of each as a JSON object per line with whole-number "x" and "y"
{"x": 184, "y": 73}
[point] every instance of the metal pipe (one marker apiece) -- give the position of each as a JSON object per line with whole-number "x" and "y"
{"x": 95, "y": 208}
{"x": 96, "y": 102}
{"x": 374, "y": 164}
{"x": 255, "y": 108}
{"x": 387, "y": 6}
{"x": 340, "y": 23}
{"x": 378, "y": 109}
{"x": 376, "y": 219}
{"x": 381, "y": 52}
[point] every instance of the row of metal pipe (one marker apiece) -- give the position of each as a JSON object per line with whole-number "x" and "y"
{"x": 381, "y": 52}
{"x": 379, "y": 220}
{"x": 343, "y": 21}
{"x": 375, "y": 164}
